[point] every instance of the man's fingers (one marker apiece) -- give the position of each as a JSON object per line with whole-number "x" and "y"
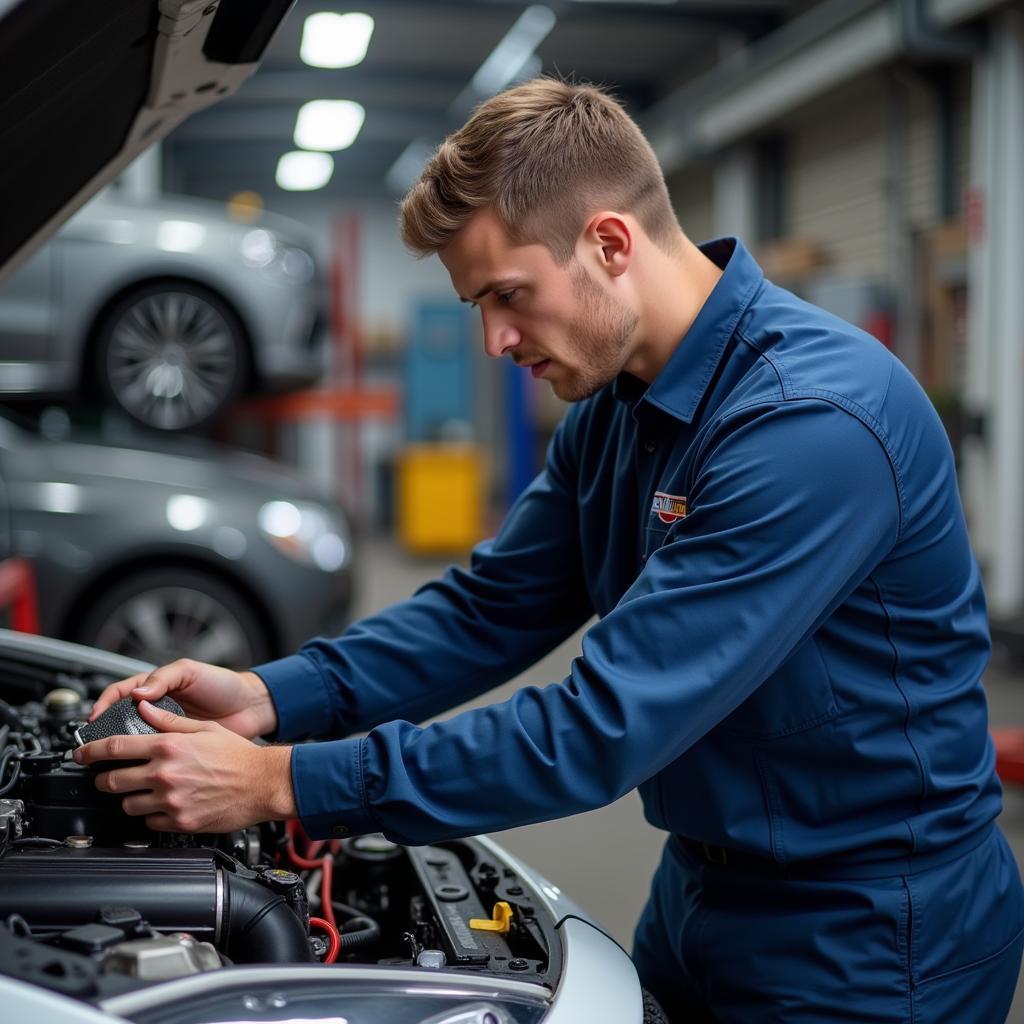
{"x": 138, "y": 804}
{"x": 168, "y": 721}
{"x": 124, "y": 780}
{"x": 144, "y": 686}
{"x": 117, "y": 748}
{"x": 160, "y": 823}
{"x": 114, "y": 693}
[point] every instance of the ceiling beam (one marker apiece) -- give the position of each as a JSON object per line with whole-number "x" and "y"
{"x": 425, "y": 87}
{"x": 750, "y": 17}
{"x": 276, "y": 123}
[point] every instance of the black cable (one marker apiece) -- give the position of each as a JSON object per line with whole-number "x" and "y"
{"x": 5, "y": 760}
{"x": 39, "y": 842}
{"x": 9, "y": 715}
{"x": 346, "y": 911}
{"x": 358, "y": 931}
{"x": 15, "y": 775}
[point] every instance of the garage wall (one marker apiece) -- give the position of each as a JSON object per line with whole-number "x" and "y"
{"x": 862, "y": 169}
{"x": 834, "y": 185}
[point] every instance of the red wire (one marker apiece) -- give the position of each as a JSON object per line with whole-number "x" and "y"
{"x": 325, "y": 864}
{"x": 333, "y": 938}
{"x": 296, "y": 858}
{"x": 326, "y": 883}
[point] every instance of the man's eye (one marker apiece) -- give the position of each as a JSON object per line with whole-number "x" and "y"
{"x": 506, "y": 297}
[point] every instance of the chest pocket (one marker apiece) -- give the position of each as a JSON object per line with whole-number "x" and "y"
{"x": 798, "y": 696}
{"x": 654, "y": 536}
{"x": 666, "y": 510}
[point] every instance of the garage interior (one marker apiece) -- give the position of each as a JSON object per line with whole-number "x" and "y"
{"x": 870, "y": 153}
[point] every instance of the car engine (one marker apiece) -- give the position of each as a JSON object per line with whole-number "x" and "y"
{"x": 92, "y": 903}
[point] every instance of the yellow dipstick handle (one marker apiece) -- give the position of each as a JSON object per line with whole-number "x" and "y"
{"x": 501, "y": 922}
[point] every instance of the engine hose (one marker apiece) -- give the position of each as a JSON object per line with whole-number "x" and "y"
{"x": 261, "y": 927}
{"x": 358, "y": 931}
{"x": 9, "y": 715}
{"x": 6, "y": 787}
{"x": 174, "y": 890}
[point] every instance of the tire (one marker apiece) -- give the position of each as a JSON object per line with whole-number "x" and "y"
{"x": 171, "y": 355}
{"x": 160, "y": 615}
{"x": 653, "y": 1013}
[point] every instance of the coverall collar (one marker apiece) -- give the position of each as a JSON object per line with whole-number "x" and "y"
{"x": 684, "y": 379}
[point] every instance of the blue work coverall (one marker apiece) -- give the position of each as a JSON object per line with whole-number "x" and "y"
{"x": 787, "y": 659}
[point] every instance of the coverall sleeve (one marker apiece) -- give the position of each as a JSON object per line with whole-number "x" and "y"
{"x": 457, "y": 636}
{"x": 791, "y": 507}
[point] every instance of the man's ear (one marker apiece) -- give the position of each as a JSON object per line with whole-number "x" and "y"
{"x": 611, "y": 239}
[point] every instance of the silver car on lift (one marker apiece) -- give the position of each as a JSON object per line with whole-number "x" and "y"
{"x": 188, "y": 550}
{"x": 167, "y": 311}
{"x": 102, "y": 921}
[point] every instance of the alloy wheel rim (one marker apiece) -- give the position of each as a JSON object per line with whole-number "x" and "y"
{"x": 167, "y": 623}
{"x": 172, "y": 360}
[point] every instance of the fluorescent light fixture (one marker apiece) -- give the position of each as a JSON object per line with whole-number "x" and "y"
{"x": 180, "y": 235}
{"x": 516, "y": 48}
{"x": 332, "y": 40}
{"x": 302, "y": 171}
{"x": 328, "y": 124}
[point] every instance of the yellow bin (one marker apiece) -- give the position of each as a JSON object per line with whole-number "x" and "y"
{"x": 440, "y": 497}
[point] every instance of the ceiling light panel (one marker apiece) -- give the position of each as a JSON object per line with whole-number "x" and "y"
{"x": 332, "y": 40}
{"x": 302, "y": 171}
{"x": 328, "y": 124}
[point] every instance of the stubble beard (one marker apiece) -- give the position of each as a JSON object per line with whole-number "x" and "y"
{"x": 599, "y": 339}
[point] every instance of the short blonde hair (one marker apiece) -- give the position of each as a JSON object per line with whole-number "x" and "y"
{"x": 543, "y": 155}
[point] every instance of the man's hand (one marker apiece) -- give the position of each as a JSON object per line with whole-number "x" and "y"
{"x": 198, "y": 776}
{"x": 239, "y": 701}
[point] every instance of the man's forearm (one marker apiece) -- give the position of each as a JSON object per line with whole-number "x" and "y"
{"x": 273, "y": 785}
{"x": 261, "y": 704}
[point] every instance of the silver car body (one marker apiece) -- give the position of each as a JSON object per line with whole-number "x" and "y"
{"x": 50, "y": 309}
{"x": 87, "y": 515}
{"x": 598, "y": 983}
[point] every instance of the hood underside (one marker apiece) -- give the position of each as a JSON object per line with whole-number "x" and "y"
{"x": 86, "y": 87}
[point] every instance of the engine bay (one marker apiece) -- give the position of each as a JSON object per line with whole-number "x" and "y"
{"x": 93, "y": 903}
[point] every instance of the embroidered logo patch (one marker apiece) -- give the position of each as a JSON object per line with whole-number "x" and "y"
{"x": 668, "y": 507}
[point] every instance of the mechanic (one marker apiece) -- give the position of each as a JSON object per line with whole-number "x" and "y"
{"x": 759, "y": 504}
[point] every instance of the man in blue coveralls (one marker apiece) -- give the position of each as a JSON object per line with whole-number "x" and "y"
{"x": 759, "y": 504}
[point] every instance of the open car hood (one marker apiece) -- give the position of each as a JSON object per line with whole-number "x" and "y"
{"x": 86, "y": 87}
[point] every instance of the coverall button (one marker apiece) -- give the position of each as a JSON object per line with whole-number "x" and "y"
{"x": 340, "y": 831}
{"x": 649, "y": 446}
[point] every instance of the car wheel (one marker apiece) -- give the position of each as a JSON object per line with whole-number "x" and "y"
{"x": 164, "y": 614}
{"x": 653, "y": 1013}
{"x": 172, "y": 356}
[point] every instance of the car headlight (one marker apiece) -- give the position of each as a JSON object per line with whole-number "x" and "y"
{"x": 263, "y": 249}
{"x": 307, "y": 533}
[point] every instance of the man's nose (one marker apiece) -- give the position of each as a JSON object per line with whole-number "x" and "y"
{"x": 499, "y": 338}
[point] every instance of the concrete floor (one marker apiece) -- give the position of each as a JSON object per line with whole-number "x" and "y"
{"x": 604, "y": 859}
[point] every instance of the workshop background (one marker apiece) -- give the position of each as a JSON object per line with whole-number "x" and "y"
{"x": 870, "y": 152}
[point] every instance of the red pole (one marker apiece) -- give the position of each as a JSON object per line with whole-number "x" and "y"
{"x": 18, "y": 590}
